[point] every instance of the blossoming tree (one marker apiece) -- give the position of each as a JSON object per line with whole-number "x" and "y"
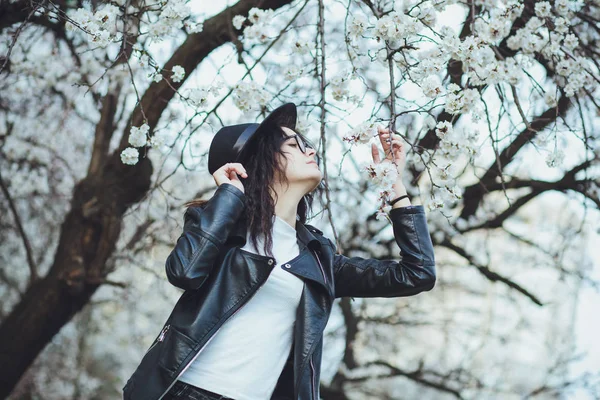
{"x": 107, "y": 110}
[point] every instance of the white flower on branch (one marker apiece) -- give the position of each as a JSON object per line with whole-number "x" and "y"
{"x": 256, "y": 32}
{"x": 442, "y": 129}
{"x": 361, "y": 133}
{"x": 434, "y": 204}
{"x": 383, "y": 174}
{"x": 130, "y": 156}
{"x": 249, "y": 96}
{"x": 157, "y": 76}
{"x": 192, "y": 27}
{"x": 257, "y": 15}
{"x": 427, "y": 15}
{"x": 198, "y": 97}
{"x": 561, "y": 7}
{"x": 292, "y": 72}
{"x": 137, "y": 135}
{"x": 431, "y": 86}
{"x": 550, "y": 99}
{"x": 358, "y": 26}
{"x": 178, "y": 73}
{"x": 156, "y": 141}
{"x": 396, "y": 26}
{"x": 570, "y": 42}
{"x": 543, "y": 9}
{"x": 237, "y": 21}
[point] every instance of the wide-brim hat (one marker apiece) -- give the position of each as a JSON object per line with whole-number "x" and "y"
{"x": 231, "y": 142}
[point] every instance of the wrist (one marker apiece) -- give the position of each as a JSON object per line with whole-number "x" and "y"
{"x": 400, "y": 190}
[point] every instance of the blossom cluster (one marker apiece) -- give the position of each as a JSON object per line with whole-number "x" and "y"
{"x": 138, "y": 137}
{"x": 256, "y": 25}
{"x": 249, "y": 96}
{"x": 198, "y": 97}
{"x": 104, "y": 25}
{"x": 173, "y": 16}
{"x": 383, "y": 174}
{"x": 100, "y": 26}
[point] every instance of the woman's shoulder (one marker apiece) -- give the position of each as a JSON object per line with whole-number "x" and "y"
{"x": 313, "y": 229}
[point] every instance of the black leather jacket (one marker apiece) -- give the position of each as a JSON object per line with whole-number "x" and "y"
{"x": 219, "y": 278}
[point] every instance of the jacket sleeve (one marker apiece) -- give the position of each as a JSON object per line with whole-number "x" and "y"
{"x": 205, "y": 230}
{"x": 413, "y": 273}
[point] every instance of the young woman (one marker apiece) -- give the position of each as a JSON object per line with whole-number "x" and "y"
{"x": 259, "y": 282}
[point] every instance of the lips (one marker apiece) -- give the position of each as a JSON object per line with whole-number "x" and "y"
{"x": 312, "y": 162}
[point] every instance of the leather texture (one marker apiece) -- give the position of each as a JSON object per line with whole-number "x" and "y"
{"x": 218, "y": 278}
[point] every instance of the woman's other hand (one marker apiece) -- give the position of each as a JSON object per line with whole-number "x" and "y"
{"x": 229, "y": 173}
{"x": 398, "y": 146}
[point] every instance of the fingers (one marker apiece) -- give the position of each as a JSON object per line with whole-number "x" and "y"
{"x": 396, "y": 141}
{"x": 375, "y": 153}
{"x": 235, "y": 168}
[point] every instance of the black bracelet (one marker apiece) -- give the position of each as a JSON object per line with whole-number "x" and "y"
{"x": 391, "y": 203}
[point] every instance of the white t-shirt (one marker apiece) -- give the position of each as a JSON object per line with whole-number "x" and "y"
{"x": 246, "y": 356}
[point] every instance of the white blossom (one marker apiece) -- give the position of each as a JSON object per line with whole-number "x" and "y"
{"x": 237, "y": 21}
{"x": 358, "y": 26}
{"x": 198, "y": 97}
{"x": 561, "y": 7}
{"x": 427, "y": 15}
{"x": 249, "y": 96}
{"x": 194, "y": 27}
{"x": 256, "y": 32}
{"x": 361, "y": 133}
{"x": 137, "y": 135}
{"x": 178, "y": 73}
{"x": 130, "y": 156}
{"x": 157, "y": 77}
{"x": 550, "y": 99}
{"x": 384, "y": 174}
{"x": 443, "y": 128}
{"x": 571, "y": 42}
{"x": 542, "y": 9}
{"x": 396, "y": 26}
{"x": 257, "y": 15}
{"x": 292, "y": 72}
{"x": 561, "y": 25}
{"x": 431, "y": 86}
{"x": 157, "y": 140}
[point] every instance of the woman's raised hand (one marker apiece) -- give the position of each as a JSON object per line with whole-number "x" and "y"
{"x": 397, "y": 145}
{"x": 228, "y": 173}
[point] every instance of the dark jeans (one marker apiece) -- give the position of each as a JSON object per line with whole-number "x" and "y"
{"x": 185, "y": 391}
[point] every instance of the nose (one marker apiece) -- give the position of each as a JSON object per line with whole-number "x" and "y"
{"x": 312, "y": 154}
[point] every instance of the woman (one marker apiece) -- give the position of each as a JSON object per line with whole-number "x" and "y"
{"x": 259, "y": 282}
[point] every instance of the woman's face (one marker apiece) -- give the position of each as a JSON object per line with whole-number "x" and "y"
{"x": 301, "y": 167}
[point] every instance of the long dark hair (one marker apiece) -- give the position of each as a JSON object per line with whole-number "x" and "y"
{"x": 264, "y": 168}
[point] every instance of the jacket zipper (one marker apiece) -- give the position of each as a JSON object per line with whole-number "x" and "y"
{"x": 314, "y": 386}
{"x": 160, "y": 338}
{"x": 213, "y": 335}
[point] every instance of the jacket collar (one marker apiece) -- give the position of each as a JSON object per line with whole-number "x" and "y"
{"x": 303, "y": 233}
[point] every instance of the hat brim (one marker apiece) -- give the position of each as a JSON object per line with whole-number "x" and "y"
{"x": 284, "y": 115}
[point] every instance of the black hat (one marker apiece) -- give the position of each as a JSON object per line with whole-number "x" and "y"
{"x": 230, "y": 141}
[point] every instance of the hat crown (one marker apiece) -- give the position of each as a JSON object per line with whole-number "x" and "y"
{"x": 229, "y": 141}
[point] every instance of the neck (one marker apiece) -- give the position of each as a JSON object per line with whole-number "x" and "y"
{"x": 286, "y": 205}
